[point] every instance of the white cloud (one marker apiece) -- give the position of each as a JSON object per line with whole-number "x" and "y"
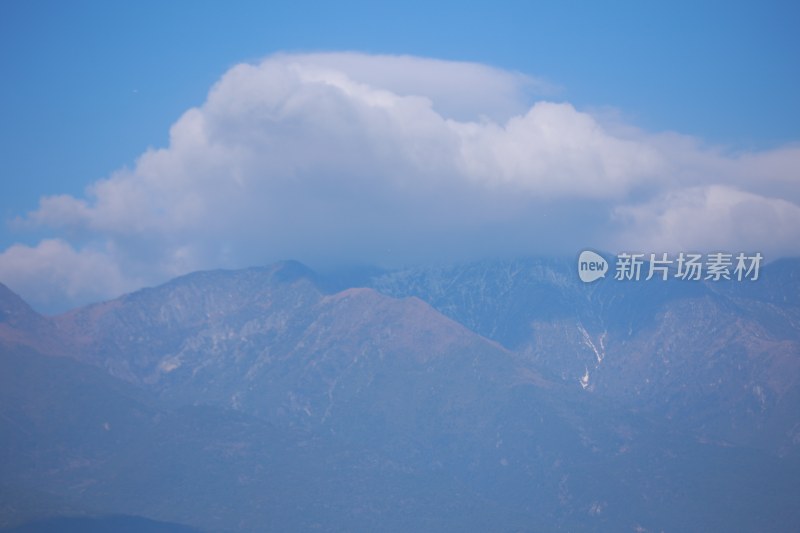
{"x": 715, "y": 217}
{"x": 53, "y": 271}
{"x": 555, "y": 150}
{"x": 325, "y": 157}
{"x": 457, "y": 90}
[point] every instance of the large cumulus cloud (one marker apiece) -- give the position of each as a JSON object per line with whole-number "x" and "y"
{"x": 355, "y": 158}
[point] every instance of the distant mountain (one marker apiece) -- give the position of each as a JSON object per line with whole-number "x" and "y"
{"x": 21, "y": 325}
{"x": 720, "y": 358}
{"x": 269, "y": 342}
{"x": 494, "y": 396}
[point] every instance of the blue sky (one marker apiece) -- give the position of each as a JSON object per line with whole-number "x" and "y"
{"x": 90, "y": 86}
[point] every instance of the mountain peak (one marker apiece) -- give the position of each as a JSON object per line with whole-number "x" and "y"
{"x": 12, "y": 307}
{"x": 289, "y": 271}
{"x": 21, "y": 325}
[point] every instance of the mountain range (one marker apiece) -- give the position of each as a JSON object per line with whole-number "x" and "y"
{"x": 487, "y": 396}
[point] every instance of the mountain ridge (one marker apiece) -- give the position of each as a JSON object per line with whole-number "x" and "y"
{"x": 493, "y": 395}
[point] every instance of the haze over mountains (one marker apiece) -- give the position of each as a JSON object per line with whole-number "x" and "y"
{"x": 491, "y": 396}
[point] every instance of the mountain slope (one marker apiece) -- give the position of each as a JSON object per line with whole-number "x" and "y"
{"x": 267, "y": 341}
{"x": 21, "y": 325}
{"x": 722, "y": 359}
{"x": 254, "y": 400}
